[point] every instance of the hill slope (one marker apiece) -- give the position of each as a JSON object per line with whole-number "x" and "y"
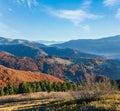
{"x": 66, "y": 69}
{"x": 68, "y": 52}
{"x": 14, "y": 77}
{"x": 23, "y": 50}
{"x": 20, "y": 63}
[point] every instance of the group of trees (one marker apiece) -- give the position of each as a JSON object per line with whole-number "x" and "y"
{"x": 46, "y": 86}
{"x": 41, "y": 86}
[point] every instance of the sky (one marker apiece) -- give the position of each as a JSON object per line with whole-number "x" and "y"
{"x": 59, "y": 20}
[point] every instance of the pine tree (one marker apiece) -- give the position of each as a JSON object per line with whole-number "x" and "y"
{"x": 11, "y": 89}
{"x": 38, "y": 87}
{"x": 6, "y": 90}
{"x": 49, "y": 87}
{"x": 2, "y": 92}
{"x": 23, "y": 88}
{"x": 33, "y": 86}
{"x": 54, "y": 86}
{"x": 69, "y": 86}
{"x": 64, "y": 86}
{"x": 15, "y": 89}
{"x": 43, "y": 85}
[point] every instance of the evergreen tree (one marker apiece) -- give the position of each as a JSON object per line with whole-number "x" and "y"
{"x": 54, "y": 86}
{"x": 6, "y": 90}
{"x": 38, "y": 87}
{"x": 43, "y": 86}
{"x": 58, "y": 86}
{"x": 11, "y": 89}
{"x": 33, "y": 86}
{"x": 69, "y": 85}
{"x": 49, "y": 87}
{"x": 23, "y": 88}
{"x": 2, "y": 92}
{"x": 15, "y": 89}
{"x": 64, "y": 86}
{"x": 29, "y": 88}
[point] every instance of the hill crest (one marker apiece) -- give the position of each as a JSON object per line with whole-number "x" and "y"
{"x": 15, "y": 77}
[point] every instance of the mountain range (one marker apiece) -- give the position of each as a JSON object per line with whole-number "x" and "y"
{"x": 70, "y": 61}
{"x": 27, "y": 48}
{"x": 65, "y": 69}
{"x": 108, "y": 46}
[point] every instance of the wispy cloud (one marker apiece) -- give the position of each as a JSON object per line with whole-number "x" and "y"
{"x": 86, "y": 4}
{"x": 75, "y": 16}
{"x": 111, "y": 2}
{"x": 6, "y": 30}
{"x": 28, "y": 3}
{"x": 118, "y": 14}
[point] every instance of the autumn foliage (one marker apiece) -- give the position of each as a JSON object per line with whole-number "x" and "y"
{"x": 15, "y": 77}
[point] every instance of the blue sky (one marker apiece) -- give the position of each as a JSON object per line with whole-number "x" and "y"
{"x": 59, "y": 20}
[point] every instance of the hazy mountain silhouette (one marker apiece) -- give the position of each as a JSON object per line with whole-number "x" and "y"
{"x": 105, "y": 46}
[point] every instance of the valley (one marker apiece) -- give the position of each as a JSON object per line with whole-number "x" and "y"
{"x": 59, "y": 55}
{"x": 25, "y": 65}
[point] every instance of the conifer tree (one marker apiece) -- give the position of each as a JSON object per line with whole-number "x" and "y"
{"x": 2, "y": 92}
{"x": 38, "y": 87}
{"x": 64, "y": 86}
{"x": 11, "y": 89}
{"x": 23, "y": 88}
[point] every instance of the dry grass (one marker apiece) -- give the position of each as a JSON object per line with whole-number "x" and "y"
{"x": 60, "y": 61}
{"x": 108, "y": 102}
{"x": 30, "y": 100}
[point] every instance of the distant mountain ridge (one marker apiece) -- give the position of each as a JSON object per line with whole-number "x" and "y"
{"x": 108, "y": 46}
{"x": 9, "y": 41}
{"x": 66, "y": 63}
{"x": 23, "y": 50}
{"x": 68, "y": 52}
{"x": 27, "y": 48}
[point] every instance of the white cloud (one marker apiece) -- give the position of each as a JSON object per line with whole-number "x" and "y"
{"x": 28, "y": 3}
{"x": 118, "y": 14}
{"x": 111, "y": 2}
{"x": 75, "y": 16}
{"x": 32, "y": 2}
{"x": 6, "y": 30}
{"x": 86, "y": 4}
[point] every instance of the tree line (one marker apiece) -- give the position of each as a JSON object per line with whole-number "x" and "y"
{"x": 42, "y": 86}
